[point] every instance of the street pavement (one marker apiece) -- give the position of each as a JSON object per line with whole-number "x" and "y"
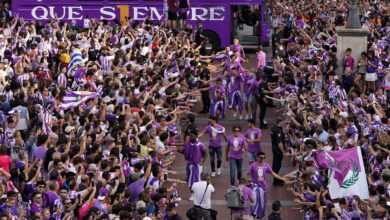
{"x": 221, "y": 183}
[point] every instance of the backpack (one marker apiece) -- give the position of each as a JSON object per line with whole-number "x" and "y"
{"x": 234, "y": 198}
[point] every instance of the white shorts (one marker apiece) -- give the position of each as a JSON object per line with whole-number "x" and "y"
{"x": 371, "y": 77}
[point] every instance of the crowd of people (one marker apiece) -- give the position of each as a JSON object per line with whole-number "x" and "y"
{"x": 94, "y": 116}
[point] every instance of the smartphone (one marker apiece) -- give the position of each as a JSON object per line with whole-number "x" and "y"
{"x": 166, "y": 176}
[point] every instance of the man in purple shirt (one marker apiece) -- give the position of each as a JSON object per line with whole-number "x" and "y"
{"x": 195, "y": 154}
{"x": 40, "y": 152}
{"x": 235, "y": 96}
{"x": 236, "y": 47}
{"x": 253, "y": 136}
{"x": 257, "y": 173}
{"x": 137, "y": 187}
{"x": 36, "y": 206}
{"x": 217, "y": 106}
{"x": 236, "y": 146}
{"x": 215, "y": 132}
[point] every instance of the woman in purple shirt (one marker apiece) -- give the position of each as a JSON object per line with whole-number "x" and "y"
{"x": 236, "y": 146}
{"x": 257, "y": 172}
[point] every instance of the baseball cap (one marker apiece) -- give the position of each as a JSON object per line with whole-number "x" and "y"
{"x": 69, "y": 129}
{"x": 276, "y": 205}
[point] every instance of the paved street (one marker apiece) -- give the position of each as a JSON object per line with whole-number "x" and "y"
{"x": 221, "y": 183}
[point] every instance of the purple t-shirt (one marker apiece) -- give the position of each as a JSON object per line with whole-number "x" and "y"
{"x": 193, "y": 152}
{"x": 235, "y": 83}
{"x": 236, "y": 48}
{"x": 215, "y": 134}
{"x": 40, "y": 153}
{"x": 349, "y": 61}
{"x": 236, "y": 144}
{"x": 217, "y": 90}
{"x": 247, "y": 195}
{"x": 254, "y": 87}
{"x": 257, "y": 171}
{"x": 250, "y": 134}
{"x": 35, "y": 208}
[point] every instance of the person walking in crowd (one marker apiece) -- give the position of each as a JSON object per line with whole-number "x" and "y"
{"x": 257, "y": 172}
{"x": 203, "y": 191}
{"x": 195, "y": 154}
{"x": 253, "y": 137}
{"x": 235, "y": 151}
{"x": 215, "y": 132}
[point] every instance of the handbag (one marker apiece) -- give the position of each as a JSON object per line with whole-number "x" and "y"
{"x": 193, "y": 212}
{"x": 214, "y": 214}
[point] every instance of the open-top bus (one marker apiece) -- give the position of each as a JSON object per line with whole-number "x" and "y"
{"x": 217, "y": 16}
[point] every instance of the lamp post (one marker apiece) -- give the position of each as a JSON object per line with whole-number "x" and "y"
{"x": 353, "y": 15}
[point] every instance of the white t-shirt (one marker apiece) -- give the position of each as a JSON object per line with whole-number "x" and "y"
{"x": 199, "y": 189}
{"x": 87, "y": 23}
{"x": 159, "y": 144}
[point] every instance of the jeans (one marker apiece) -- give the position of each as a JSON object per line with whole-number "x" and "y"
{"x": 235, "y": 163}
{"x": 251, "y": 156}
{"x": 212, "y": 152}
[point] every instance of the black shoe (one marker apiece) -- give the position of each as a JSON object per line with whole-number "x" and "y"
{"x": 278, "y": 183}
{"x": 202, "y": 112}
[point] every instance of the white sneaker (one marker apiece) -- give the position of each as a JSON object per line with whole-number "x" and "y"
{"x": 218, "y": 171}
{"x": 213, "y": 174}
{"x": 246, "y": 117}
{"x": 240, "y": 117}
{"x": 191, "y": 197}
{"x": 234, "y": 115}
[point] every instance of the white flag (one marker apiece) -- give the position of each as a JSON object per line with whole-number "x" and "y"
{"x": 347, "y": 176}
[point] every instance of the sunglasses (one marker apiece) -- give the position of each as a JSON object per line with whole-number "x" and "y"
{"x": 41, "y": 187}
{"x": 236, "y": 130}
{"x": 262, "y": 157}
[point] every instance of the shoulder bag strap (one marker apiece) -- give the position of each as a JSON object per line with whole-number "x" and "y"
{"x": 204, "y": 193}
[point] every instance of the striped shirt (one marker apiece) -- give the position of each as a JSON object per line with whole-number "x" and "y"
{"x": 62, "y": 80}
{"x": 22, "y": 78}
{"x": 105, "y": 61}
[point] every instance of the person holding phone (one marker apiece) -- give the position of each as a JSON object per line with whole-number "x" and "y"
{"x": 202, "y": 196}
